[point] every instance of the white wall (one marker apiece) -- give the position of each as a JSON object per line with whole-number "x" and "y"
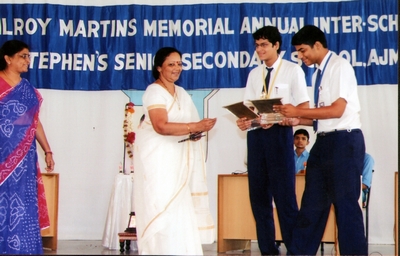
{"x": 85, "y": 133}
{"x": 86, "y": 136}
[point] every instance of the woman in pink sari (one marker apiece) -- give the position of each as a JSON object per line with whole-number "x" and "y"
{"x": 23, "y": 210}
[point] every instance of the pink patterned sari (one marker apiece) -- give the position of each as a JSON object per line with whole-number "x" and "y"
{"x": 23, "y": 209}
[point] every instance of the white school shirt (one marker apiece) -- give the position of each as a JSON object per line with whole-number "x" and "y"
{"x": 338, "y": 81}
{"x": 290, "y": 83}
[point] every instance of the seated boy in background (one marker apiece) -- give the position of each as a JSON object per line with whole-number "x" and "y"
{"x": 367, "y": 176}
{"x": 301, "y": 141}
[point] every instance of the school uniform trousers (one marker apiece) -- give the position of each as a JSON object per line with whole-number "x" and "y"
{"x": 333, "y": 176}
{"x": 271, "y": 174}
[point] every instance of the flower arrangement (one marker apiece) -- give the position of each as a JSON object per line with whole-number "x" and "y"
{"x": 129, "y": 134}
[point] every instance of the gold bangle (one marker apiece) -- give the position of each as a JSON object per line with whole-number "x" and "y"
{"x": 190, "y": 132}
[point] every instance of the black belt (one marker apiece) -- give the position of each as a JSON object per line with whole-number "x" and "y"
{"x": 326, "y": 133}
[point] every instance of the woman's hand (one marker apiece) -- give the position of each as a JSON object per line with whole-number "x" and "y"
{"x": 49, "y": 162}
{"x": 206, "y": 124}
{"x": 196, "y": 136}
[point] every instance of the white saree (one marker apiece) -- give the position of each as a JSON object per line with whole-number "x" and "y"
{"x": 170, "y": 192}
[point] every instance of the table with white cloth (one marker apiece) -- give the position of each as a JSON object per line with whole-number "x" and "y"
{"x": 121, "y": 205}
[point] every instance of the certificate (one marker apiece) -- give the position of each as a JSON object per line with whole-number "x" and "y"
{"x": 240, "y": 110}
{"x": 265, "y": 105}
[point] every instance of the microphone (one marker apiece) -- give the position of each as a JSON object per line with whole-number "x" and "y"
{"x": 193, "y": 136}
{"x": 238, "y": 172}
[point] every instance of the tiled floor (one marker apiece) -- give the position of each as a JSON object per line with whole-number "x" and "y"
{"x": 83, "y": 247}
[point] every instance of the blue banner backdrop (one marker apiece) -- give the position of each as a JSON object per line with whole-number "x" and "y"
{"x": 111, "y": 47}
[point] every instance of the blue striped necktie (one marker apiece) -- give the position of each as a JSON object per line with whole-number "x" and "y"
{"x": 316, "y": 96}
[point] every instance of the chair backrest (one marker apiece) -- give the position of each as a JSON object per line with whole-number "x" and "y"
{"x": 367, "y": 196}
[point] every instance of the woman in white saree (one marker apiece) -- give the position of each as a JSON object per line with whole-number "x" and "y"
{"x": 170, "y": 192}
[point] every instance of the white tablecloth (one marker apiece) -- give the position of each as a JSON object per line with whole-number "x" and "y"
{"x": 121, "y": 205}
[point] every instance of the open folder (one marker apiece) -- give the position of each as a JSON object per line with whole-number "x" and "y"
{"x": 264, "y": 108}
{"x": 240, "y": 110}
{"x": 265, "y": 105}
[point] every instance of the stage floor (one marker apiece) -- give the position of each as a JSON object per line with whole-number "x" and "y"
{"x": 94, "y": 247}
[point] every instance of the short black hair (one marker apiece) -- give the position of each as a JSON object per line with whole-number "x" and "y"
{"x": 302, "y": 131}
{"x": 270, "y": 33}
{"x": 10, "y": 48}
{"x": 160, "y": 57}
{"x": 309, "y": 34}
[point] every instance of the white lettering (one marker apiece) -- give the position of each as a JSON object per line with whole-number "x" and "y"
{"x": 92, "y": 28}
{"x": 197, "y": 27}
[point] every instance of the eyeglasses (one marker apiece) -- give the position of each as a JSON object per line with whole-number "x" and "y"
{"x": 25, "y": 56}
{"x": 262, "y": 45}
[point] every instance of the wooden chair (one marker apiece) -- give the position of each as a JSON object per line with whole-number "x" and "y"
{"x": 125, "y": 239}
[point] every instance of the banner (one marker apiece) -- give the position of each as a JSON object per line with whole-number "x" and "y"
{"x": 112, "y": 47}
